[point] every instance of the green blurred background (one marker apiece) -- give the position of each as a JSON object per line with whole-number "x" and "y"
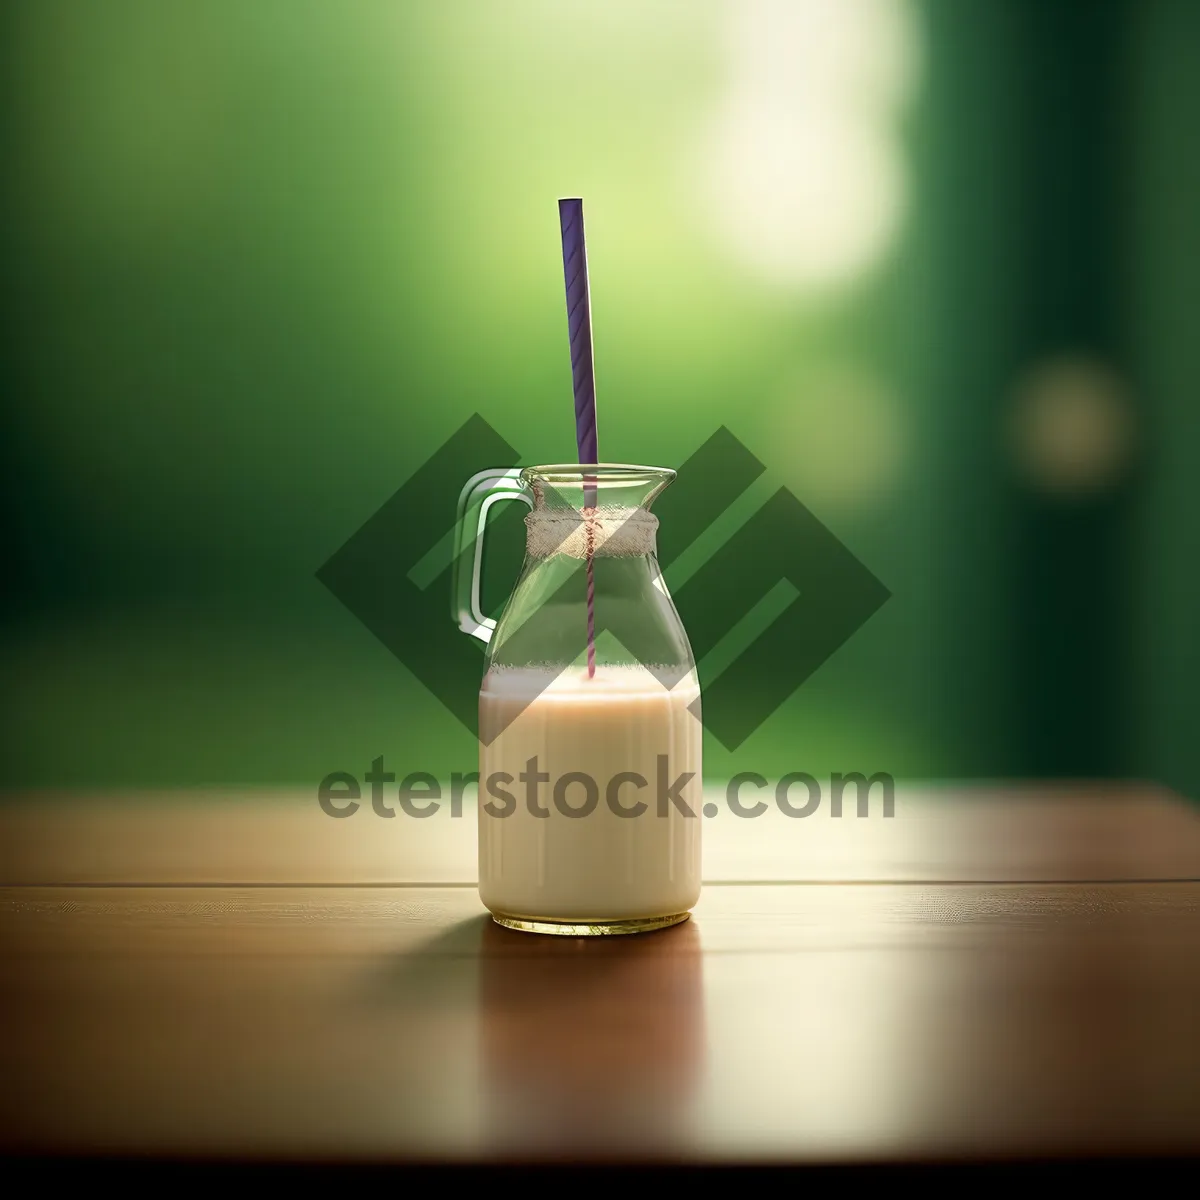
{"x": 936, "y": 264}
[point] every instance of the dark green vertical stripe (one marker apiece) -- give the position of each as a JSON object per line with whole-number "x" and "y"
{"x": 970, "y": 165}
{"x": 1071, "y": 574}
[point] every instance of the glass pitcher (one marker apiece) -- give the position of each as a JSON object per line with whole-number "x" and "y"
{"x": 589, "y": 713}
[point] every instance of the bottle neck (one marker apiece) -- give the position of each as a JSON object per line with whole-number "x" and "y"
{"x": 605, "y": 532}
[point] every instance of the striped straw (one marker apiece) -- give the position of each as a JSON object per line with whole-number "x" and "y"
{"x": 583, "y": 380}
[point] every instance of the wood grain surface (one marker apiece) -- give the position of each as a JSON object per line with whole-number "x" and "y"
{"x": 986, "y": 975}
{"x": 942, "y": 834}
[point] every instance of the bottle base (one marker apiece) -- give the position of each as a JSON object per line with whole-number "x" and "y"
{"x": 589, "y": 928}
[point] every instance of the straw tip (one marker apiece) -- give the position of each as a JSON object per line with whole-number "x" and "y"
{"x": 570, "y": 200}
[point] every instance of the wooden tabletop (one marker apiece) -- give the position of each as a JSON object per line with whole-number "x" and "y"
{"x": 995, "y": 973}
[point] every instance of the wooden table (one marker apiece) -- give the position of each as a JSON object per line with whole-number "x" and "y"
{"x": 1011, "y": 973}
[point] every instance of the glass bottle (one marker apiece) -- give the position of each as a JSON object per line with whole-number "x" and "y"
{"x": 589, "y": 713}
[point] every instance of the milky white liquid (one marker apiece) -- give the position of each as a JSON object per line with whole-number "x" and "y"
{"x": 601, "y": 866}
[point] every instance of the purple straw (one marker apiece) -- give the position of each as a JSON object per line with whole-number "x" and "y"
{"x": 579, "y": 325}
{"x": 583, "y": 380}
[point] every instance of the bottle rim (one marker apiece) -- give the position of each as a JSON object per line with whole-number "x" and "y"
{"x": 600, "y": 473}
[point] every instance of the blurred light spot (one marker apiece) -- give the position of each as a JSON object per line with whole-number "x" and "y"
{"x": 801, "y": 165}
{"x": 846, "y": 438}
{"x": 862, "y": 54}
{"x": 808, "y": 200}
{"x": 1073, "y": 428}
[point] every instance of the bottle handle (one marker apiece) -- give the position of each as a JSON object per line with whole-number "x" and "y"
{"x": 477, "y": 497}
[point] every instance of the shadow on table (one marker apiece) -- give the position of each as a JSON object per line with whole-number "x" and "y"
{"x": 590, "y": 1042}
{"x": 439, "y": 972}
{"x": 583, "y": 1043}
